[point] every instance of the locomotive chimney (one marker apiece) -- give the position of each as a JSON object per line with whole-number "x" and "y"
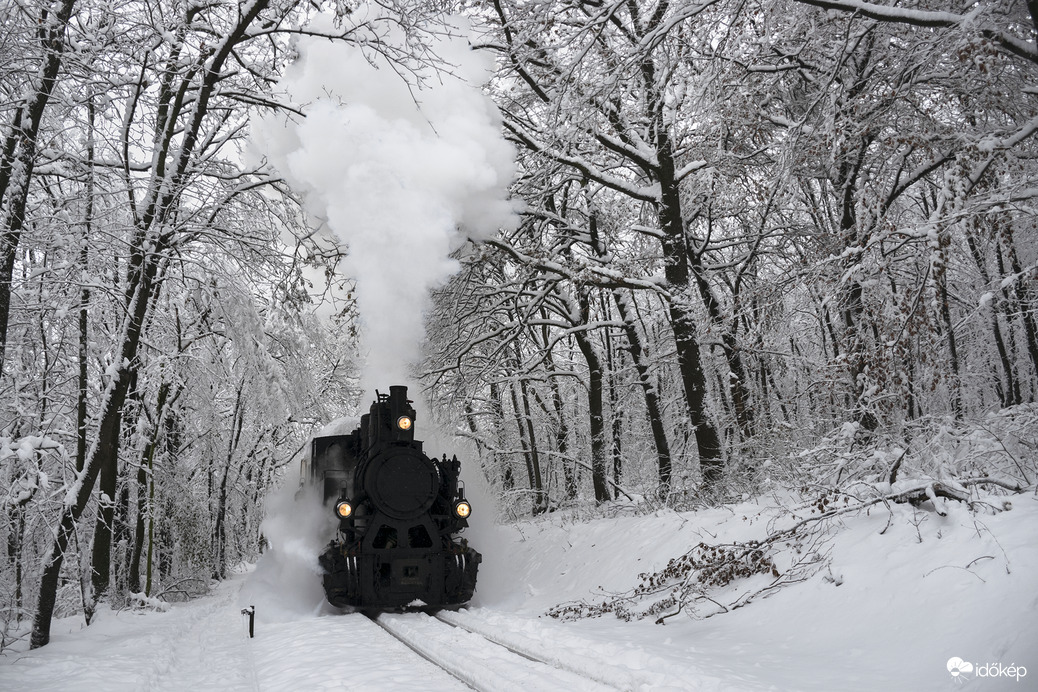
{"x": 398, "y": 393}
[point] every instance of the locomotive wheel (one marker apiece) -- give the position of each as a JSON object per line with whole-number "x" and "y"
{"x": 340, "y": 577}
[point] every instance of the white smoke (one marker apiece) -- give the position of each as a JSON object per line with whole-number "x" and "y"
{"x": 286, "y": 584}
{"x": 402, "y": 170}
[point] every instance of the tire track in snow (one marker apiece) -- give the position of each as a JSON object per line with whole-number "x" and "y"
{"x": 208, "y": 651}
{"x": 338, "y": 653}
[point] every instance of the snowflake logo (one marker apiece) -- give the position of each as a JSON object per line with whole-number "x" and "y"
{"x": 957, "y": 667}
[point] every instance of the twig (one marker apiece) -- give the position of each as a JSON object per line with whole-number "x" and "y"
{"x": 896, "y": 466}
{"x": 955, "y": 567}
{"x": 982, "y": 557}
{"x": 1015, "y": 487}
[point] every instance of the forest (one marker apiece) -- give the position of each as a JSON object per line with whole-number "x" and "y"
{"x": 755, "y": 244}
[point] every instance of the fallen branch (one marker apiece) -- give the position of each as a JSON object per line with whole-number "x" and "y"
{"x": 689, "y": 578}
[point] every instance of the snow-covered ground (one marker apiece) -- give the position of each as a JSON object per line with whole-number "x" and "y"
{"x": 903, "y": 591}
{"x": 888, "y": 613}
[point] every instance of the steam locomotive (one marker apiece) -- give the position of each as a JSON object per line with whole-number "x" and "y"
{"x": 399, "y": 514}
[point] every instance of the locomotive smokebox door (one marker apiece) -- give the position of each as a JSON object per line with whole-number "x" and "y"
{"x": 403, "y": 483}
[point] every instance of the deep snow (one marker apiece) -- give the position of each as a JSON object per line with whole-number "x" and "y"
{"x": 888, "y": 613}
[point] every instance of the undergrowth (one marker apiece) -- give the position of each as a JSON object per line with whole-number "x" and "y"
{"x": 927, "y": 464}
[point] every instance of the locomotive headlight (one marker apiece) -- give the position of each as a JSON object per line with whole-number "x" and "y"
{"x": 403, "y": 422}
{"x": 463, "y": 509}
{"x": 343, "y": 509}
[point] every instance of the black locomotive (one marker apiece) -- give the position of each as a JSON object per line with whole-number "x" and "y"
{"x": 399, "y": 514}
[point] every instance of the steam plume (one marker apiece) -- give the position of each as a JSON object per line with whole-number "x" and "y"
{"x": 401, "y": 171}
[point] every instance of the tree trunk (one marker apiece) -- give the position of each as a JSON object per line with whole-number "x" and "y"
{"x": 144, "y": 469}
{"x": 133, "y": 583}
{"x": 151, "y": 527}
{"x": 523, "y": 443}
{"x": 616, "y": 427}
{"x": 1011, "y": 391}
{"x": 652, "y": 403}
{"x": 596, "y": 412}
{"x": 1024, "y": 305}
{"x": 84, "y": 299}
{"x": 540, "y": 500}
{"x": 19, "y": 155}
{"x": 690, "y": 365}
{"x": 220, "y": 525}
{"x": 105, "y": 448}
{"x": 219, "y": 530}
{"x": 104, "y": 524}
{"x": 562, "y": 439}
{"x": 15, "y": 551}
{"x": 941, "y": 281}
{"x": 736, "y": 385}
{"x": 500, "y": 462}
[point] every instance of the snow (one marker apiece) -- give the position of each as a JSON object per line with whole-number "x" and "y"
{"x": 902, "y": 592}
{"x": 888, "y": 13}
{"x": 888, "y": 613}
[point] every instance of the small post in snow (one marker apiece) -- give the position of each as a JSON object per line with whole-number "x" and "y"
{"x": 251, "y": 612}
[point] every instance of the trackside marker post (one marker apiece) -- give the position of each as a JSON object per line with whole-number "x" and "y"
{"x": 251, "y": 612}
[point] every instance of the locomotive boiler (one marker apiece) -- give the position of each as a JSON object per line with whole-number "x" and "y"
{"x": 399, "y": 514}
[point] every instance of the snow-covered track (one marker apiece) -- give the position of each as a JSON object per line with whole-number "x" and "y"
{"x": 538, "y": 650}
{"x": 479, "y": 661}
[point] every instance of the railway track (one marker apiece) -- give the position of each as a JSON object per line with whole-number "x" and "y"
{"x": 486, "y": 661}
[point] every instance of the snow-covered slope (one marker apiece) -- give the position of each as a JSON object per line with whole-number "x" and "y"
{"x": 900, "y": 596}
{"x": 897, "y": 594}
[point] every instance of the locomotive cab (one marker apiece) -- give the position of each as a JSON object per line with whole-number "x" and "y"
{"x": 398, "y": 511}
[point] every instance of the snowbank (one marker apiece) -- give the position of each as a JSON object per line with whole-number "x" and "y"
{"x": 897, "y": 594}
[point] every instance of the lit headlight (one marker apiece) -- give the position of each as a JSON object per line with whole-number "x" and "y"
{"x": 343, "y": 509}
{"x": 463, "y": 509}
{"x": 403, "y": 422}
